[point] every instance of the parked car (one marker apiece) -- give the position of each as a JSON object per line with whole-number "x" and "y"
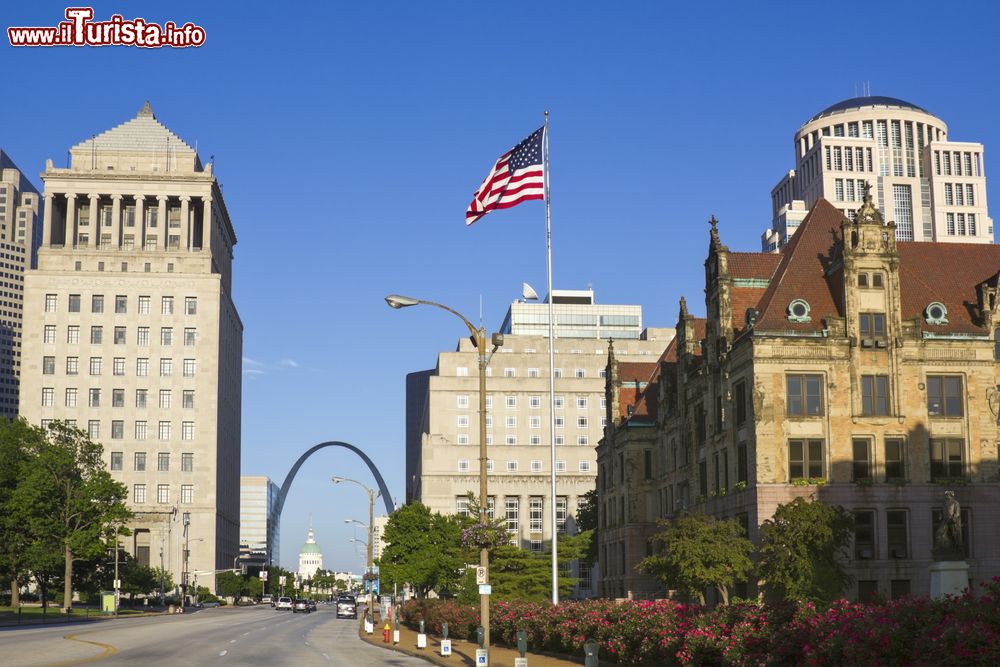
{"x": 283, "y": 603}
{"x": 312, "y": 605}
{"x": 347, "y": 607}
{"x": 267, "y": 599}
{"x": 300, "y": 605}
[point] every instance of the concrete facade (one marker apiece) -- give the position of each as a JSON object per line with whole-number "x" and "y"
{"x": 849, "y": 367}
{"x": 934, "y": 189}
{"x": 131, "y": 333}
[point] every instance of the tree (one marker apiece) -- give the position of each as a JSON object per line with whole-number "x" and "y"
{"x": 254, "y": 587}
{"x": 586, "y": 520}
{"x": 698, "y": 552}
{"x": 229, "y": 584}
{"x": 801, "y": 551}
{"x": 67, "y": 498}
{"x": 424, "y": 550}
{"x": 15, "y": 438}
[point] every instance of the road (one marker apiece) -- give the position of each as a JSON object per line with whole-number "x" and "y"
{"x": 238, "y": 636}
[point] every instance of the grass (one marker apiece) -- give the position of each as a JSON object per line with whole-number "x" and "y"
{"x": 35, "y": 614}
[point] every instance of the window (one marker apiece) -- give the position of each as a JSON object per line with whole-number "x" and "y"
{"x": 164, "y": 430}
{"x": 73, "y": 334}
{"x": 74, "y": 303}
{"x": 463, "y": 438}
{"x": 805, "y": 459}
{"x": 118, "y": 398}
{"x": 462, "y": 400}
{"x": 740, "y": 402}
{"x": 50, "y": 334}
{"x": 535, "y": 402}
{"x": 167, "y": 305}
{"x": 875, "y": 395}
{"x": 189, "y": 368}
{"x": 894, "y": 469}
{"x": 512, "y": 402}
{"x": 944, "y": 396}
{"x": 489, "y": 465}
{"x": 864, "y": 535}
{"x": 581, "y": 403}
{"x": 489, "y": 421}
{"x": 463, "y": 465}
{"x": 510, "y": 439}
{"x": 463, "y": 421}
{"x": 896, "y": 530}
{"x": 140, "y": 431}
{"x": 166, "y": 336}
{"x": 947, "y": 458}
{"x": 805, "y": 395}
{"x": 187, "y": 462}
{"x": 72, "y": 365}
{"x": 560, "y": 466}
{"x": 862, "y": 459}
{"x": 48, "y": 365}
{"x": 580, "y": 373}
{"x": 511, "y": 466}
{"x": 116, "y": 460}
{"x": 163, "y": 462}
{"x": 95, "y": 365}
{"x": 164, "y": 399}
{"x": 741, "y": 462}
{"x": 47, "y": 396}
{"x": 96, "y": 335}
{"x": 508, "y": 372}
{"x": 166, "y": 367}
{"x": 512, "y": 509}
{"x": 462, "y": 506}
{"x": 51, "y": 302}
{"x": 535, "y": 514}
{"x": 142, "y": 336}
{"x": 899, "y": 588}
{"x": 560, "y": 402}
{"x": 582, "y": 422}
{"x": 584, "y": 466}
{"x": 536, "y": 466}
{"x": 121, "y": 304}
{"x": 862, "y": 280}
{"x": 532, "y": 372}
{"x": 187, "y": 399}
{"x": 163, "y": 493}
{"x": 582, "y": 440}
{"x": 119, "y": 335}
{"x": 117, "y": 429}
{"x": 139, "y": 493}
{"x": 535, "y": 421}
{"x": 867, "y": 590}
{"x": 872, "y": 325}
{"x": 140, "y": 398}
{"x": 187, "y": 430}
{"x": 462, "y": 371}
{"x": 557, "y": 372}
{"x": 94, "y": 398}
{"x": 142, "y": 367}
{"x": 144, "y": 305}
{"x": 71, "y": 396}
{"x": 94, "y": 429}
{"x": 535, "y": 440}
{"x": 187, "y": 494}
{"x": 562, "y": 507}
{"x": 190, "y": 305}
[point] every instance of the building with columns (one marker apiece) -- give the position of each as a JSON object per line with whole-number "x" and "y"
{"x": 19, "y": 207}
{"x": 132, "y": 334}
{"x": 932, "y": 187}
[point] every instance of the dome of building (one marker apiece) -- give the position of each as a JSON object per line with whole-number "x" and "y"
{"x": 869, "y": 101}
{"x": 310, "y": 547}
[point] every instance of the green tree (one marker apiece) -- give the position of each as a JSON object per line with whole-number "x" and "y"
{"x": 698, "y": 552}
{"x": 802, "y": 549}
{"x": 586, "y": 520}
{"x": 15, "y": 439}
{"x": 67, "y": 498}
{"x": 136, "y": 579}
{"x": 229, "y": 584}
{"x": 424, "y": 550}
{"x": 254, "y": 587}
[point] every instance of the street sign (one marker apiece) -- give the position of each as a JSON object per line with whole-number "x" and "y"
{"x": 445, "y": 647}
{"x": 263, "y": 575}
{"x": 281, "y": 579}
{"x": 482, "y": 575}
{"x": 482, "y": 658}
{"x": 485, "y": 589}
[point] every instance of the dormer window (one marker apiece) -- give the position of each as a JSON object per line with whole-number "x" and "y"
{"x": 936, "y": 313}
{"x": 872, "y": 280}
{"x": 798, "y": 311}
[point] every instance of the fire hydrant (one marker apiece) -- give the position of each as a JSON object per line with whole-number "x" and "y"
{"x": 385, "y": 633}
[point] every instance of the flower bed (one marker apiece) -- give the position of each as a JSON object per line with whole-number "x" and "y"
{"x": 911, "y": 631}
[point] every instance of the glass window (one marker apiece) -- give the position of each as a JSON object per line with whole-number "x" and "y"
{"x": 805, "y": 459}
{"x": 190, "y": 305}
{"x": 74, "y": 303}
{"x": 190, "y": 336}
{"x": 96, "y": 335}
{"x": 894, "y": 469}
{"x": 51, "y": 302}
{"x": 163, "y": 493}
{"x": 189, "y": 368}
{"x": 118, "y": 398}
{"x": 164, "y": 398}
{"x": 166, "y": 336}
{"x": 944, "y": 396}
{"x": 140, "y": 431}
{"x": 947, "y": 458}
{"x": 872, "y": 325}
{"x": 142, "y": 367}
{"x": 94, "y": 399}
{"x": 187, "y": 430}
{"x": 141, "y": 397}
{"x": 188, "y": 399}
{"x": 139, "y": 493}
{"x": 187, "y": 462}
{"x": 805, "y": 395}
{"x": 116, "y": 460}
{"x": 187, "y": 494}
{"x": 896, "y": 529}
{"x": 163, "y": 462}
{"x": 117, "y": 429}
{"x": 875, "y": 395}
{"x": 167, "y": 305}
{"x": 144, "y": 305}
{"x": 119, "y": 335}
{"x": 166, "y": 367}
{"x": 535, "y": 514}
{"x": 121, "y": 304}
{"x": 48, "y": 365}
{"x": 864, "y": 535}
{"x": 50, "y": 334}
{"x": 163, "y": 431}
{"x": 862, "y": 459}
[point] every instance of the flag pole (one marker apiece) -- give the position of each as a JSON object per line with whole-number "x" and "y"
{"x": 552, "y": 371}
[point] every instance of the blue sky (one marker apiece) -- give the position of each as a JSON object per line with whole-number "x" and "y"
{"x": 349, "y": 138}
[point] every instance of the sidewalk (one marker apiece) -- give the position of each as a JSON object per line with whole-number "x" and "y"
{"x": 463, "y": 652}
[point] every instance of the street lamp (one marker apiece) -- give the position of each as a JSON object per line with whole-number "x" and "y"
{"x": 398, "y": 301}
{"x": 372, "y": 495}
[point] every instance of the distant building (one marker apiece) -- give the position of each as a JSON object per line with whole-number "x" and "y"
{"x": 310, "y": 558}
{"x": 378, "y": 541}
{"x": 259, "y": 522}
{"x": 19, "y": 236}
{"x": 934, "y": 189}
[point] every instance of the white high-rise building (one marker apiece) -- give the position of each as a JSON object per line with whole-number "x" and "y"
{"x": 933, "y": 188}
{"x": 131, "y": 333}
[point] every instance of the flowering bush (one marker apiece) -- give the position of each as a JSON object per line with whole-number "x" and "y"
{"x": 910, "y": 631}
{"x": 484, "y": 536}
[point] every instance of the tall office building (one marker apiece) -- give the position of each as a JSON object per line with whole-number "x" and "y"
{"x": 19, "y": 206}
{"x": 132, "y": 334}
{"x": 378, "y": 536}
{"x": 932, "y": 188}
{"x": 447, "y": 467}
{"x": 259, "y": 521}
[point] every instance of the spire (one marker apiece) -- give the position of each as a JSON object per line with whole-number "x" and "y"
{"x": 869, "y": 213}
{"x": 146, "y": 110}
{"x": 684, "y": 308}
{"x": 714, "y": 234}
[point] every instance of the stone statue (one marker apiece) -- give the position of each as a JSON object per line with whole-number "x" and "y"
{"x": 948, "y": 535}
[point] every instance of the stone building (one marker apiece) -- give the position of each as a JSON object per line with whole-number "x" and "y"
{"x": 310, "y": 558}
{"x": 851, "y": 367}
{"x": 131, "y": 333}
{"x": 934, "y": 187}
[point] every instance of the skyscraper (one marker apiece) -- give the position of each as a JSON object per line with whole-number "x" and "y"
{"x": 934, "y": 189}
{"x": 259, "y": 521}
{"x": 132, "y": 334}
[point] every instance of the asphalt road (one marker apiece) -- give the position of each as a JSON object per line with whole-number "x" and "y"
{"x": 223, "y": 637}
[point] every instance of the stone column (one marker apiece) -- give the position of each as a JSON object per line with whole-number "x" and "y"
{"x": 206, "y": 224}
{"x": 116, "y": 221}
{"x": 47, "y": 218}
{"x": 185, "y": 222}
{"x": 140, "y": 222}
{"x": 70, "y": 219}
{"x": 161, "y": 216}
{"x": 95, "y": 222}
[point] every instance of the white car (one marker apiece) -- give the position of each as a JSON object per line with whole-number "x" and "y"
{"x": 284, "y": 603}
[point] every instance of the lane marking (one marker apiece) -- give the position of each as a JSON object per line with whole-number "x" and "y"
{"x": 109, "y": 651}
{"x": 222, "y": 653}
{"x": 232, "y": 641}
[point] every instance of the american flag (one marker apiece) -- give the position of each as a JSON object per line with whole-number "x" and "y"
{"x": 516, "y": 177}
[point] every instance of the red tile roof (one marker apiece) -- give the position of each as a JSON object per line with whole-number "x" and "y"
{"x": 753, "y": 264}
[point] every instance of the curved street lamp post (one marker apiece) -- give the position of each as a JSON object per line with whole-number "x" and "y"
{"x": 372, "y": 495}
{"x": 398, "y": 301}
